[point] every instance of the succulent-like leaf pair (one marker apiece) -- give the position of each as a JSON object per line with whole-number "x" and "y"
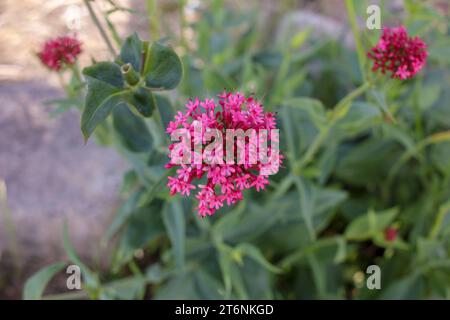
{"x": 139, "y": 69}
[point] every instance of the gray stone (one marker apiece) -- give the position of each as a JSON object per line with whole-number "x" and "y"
{"x": 51, "y": 174}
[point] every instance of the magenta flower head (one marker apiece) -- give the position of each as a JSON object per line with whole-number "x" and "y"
{"x": 223, "y": 146}
{"x": 59, "y": 52}
{"x": 396, "y": 52}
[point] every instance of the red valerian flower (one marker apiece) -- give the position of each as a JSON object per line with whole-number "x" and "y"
{"x": 396, "y": 52}
{"x": 390, "y": 234}
{"x": 221, "y": 178}
{"x": 59, "y": 52}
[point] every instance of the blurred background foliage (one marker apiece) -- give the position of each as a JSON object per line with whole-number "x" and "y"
{"x": 383, "y": 162}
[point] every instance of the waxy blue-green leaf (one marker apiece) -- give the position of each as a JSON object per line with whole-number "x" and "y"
{"x": 173, "y": 217}
{"x": 253, "y": 252}
{"x": 132, "y": 130}
{"x": 132, "y": 52}
{"x": 90, "y": 278}
{"x": 35, "y": 285}
{"x": 105, "y": 91}
{"x": 107, "y": 72}
{"x": 143, "y": 101}
{"x": 369, "y": 225}
{"x": 163, "y": 68}
{"x": 165, "y": 109}
{"x": 144, "y": 225}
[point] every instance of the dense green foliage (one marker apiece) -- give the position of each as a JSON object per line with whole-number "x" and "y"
{"x": 363, "y": 153}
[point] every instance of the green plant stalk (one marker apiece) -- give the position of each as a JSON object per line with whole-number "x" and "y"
{"x": 337, "y": 114}
{"x": 113, "y": 30}
{"x": 132, "y": 78}
{"x": 319, "y": 281}
{"x": 77, "y": 73}
{"x": 359, "y": 47}
{"x": 183, "y": 25}
{"x": 153, "y": 18}
{"x": 434, "y": 138}
{"x": 100, "y": 28}
{"x": 62, "y": 83}
{"x": 417, "y": 111}
{"x": 440, "y": 217}
{"x": 306, "y": 219}
{"x": 279, "y": 83}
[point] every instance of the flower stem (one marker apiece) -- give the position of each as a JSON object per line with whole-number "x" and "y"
{"x": 440, "y": 217}
{"x": 339, "y": 111}
{"x": 100, "y": 28}
{"x": 359, "y": 47}
{"x": 77, "y": 73}
{"x": 153, "y": 17}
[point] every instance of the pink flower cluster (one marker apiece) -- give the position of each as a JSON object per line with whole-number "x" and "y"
{"x": 223, "y": 182}
{"x": 59, "y": 52}
{"x": 398, "y": 53}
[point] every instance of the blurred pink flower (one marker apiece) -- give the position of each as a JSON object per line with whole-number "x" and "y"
{"x": 59, "y": 52}
{"x": 221, "y": 181}
{"x": 398, "y": 53}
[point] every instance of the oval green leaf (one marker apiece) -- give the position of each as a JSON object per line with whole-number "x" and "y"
{"x": 132, "y": 130}
{"x": 163, "y": 68}
{"x": 35, "y": 286}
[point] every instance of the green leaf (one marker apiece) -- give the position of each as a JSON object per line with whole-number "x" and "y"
{"x": 408, "y": 287}
{"x": 306, "y": 204}
{"x": 126, "y": 288}
{"x": 301, "y": 120}
{"x": 429, "y": 94}
{"x": 132, "y": 52}
{"x": 207, "y": 286}
{"x": 360, "y": 117}
{"x": 257, "y": 281}
{"x": 165, "y": 109}
{"x": 369, "y": 225}
{"x": 268, "y": 59}
{"x": 180, "y": 287}
{"x": 144, "y": 225}
{"x": 440, "y": 157}
{"x": 228, "y": 222}
{"x": 380, "y": 100}
{"x": 254, "y": 253}
{"x": 123, "y": 213}
{"x": 173, "y": 217}
{"x": 332, "y": 250}
{"x": 155, "y": 274}
{"x": 105, "y": 91}
{"x": 225, "y": 264}
{"x": 35, "y": 285}
{"x": 89, "y": 277}
{"x": 132, "y": 130}
{"x": 163, "y": 68}
{"x": 62, "y": 105}
{"x": 237, "y": 281}
{"x": 299, "y": 39}
{"x": 440, "y": 51}
{"x": 364, "y": 163}
{"x": 143, "y": 101}
{"x": 313, "y": 107}
{"x": 107, "y": 72}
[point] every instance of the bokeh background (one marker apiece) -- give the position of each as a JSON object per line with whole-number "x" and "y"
{"x": 47, "y": 173}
